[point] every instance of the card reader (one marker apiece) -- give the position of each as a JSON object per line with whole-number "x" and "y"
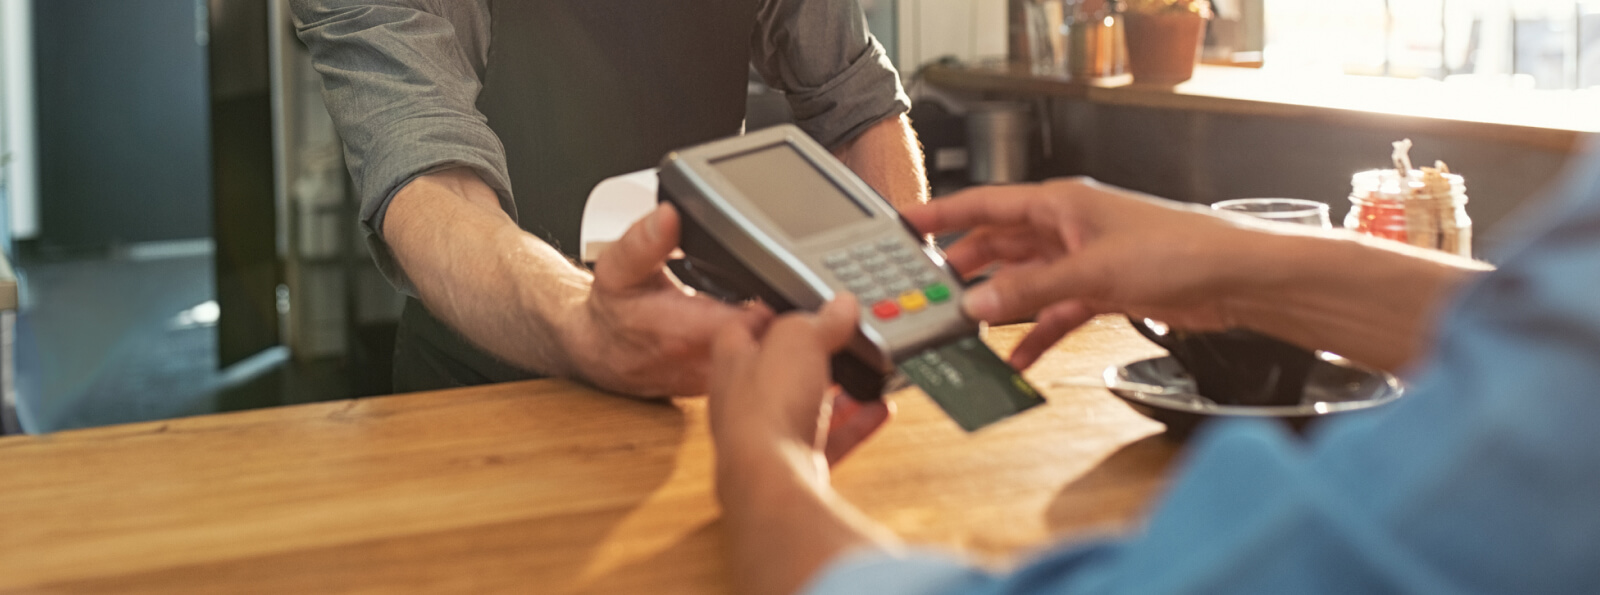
{"x": 772, "y": 215}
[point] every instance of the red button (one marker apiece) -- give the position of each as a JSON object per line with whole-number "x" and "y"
{"x": 886, "y": 309}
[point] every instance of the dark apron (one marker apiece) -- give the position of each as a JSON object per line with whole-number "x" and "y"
{"x": 579, "y": 91}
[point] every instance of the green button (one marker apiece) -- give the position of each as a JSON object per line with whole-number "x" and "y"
{"x": 937, "y": 292}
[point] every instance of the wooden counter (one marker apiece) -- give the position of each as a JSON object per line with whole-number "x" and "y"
{"x": 533, "y": 487}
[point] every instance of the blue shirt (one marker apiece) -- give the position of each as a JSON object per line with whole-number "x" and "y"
{"x": 1484, "y": 479}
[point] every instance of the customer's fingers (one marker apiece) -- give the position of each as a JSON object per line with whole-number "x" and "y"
{"x": 793, "y": 365}
{"x": 837, "y": 322}
{"x": 989, "y": 244}
{"x": 1019, "y": 293}
{"x": 814, "y": 336}
{"x": 1054, "y": 322}
{"x": 732, "y": 353}
{"x": 988, "y": 205}
{"x": 794, "y": 356}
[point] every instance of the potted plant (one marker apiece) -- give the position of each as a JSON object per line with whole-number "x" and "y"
{"x": 1164, "y": 38}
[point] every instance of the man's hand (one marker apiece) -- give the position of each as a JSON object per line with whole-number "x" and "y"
{"x": 643, "y": 333}
{"x": 628, "y": 328}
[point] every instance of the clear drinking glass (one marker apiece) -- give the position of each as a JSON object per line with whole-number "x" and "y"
{"x": 1286, "y": 210}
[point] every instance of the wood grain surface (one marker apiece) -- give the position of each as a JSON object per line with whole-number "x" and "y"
{"x": 534, "y": 487}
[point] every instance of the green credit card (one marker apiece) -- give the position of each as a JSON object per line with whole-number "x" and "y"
{"x": 972, "y": 384}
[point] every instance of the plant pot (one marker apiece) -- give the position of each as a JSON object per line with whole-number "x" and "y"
{"x": 1163, "y": 47}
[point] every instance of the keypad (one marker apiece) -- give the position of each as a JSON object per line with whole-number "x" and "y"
{"x": 892, "y": 277}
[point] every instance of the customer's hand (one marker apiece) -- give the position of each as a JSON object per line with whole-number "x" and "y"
{"x": 773, "y": 393}
{"x": 774, "y": 439}
{"x": 640, "y": 331}
{"x": 1068, "y": 250}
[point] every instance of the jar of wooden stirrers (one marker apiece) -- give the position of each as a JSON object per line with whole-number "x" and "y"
{"x": 1425, "y": 207}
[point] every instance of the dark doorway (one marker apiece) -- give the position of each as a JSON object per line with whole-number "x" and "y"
{"x": 123, "y": 122}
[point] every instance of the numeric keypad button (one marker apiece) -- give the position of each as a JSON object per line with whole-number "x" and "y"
{"x": 860, "y": 284}
{"x": 887, "y": 276}
{"x": 906, "y": 259}
{"x": 874, "y": 262}
{"x": 849, "y": 271}
{"x": 886, "y": 309}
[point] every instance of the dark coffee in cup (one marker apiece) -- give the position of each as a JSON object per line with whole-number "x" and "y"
{"x": 1236, "y": 366}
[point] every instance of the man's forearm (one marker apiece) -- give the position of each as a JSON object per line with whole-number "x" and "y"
{"x": 1369, "y": 300}
{"x": 471, "y": 265}
{"x": 889, "y": 159}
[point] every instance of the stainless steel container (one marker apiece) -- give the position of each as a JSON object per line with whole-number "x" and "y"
{"x": 1096, "y": 44}
{"x": 997, "y": 142}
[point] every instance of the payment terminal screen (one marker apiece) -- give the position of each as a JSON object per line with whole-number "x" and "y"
{"x": 790, "y": 190}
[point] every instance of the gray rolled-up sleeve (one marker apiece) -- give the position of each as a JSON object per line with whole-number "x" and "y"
{"x": 401, "y": 80}
{"x": 837, "y": 77}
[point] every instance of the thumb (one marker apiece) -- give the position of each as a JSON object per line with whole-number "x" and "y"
{"x": 639, "y": 255}
{"x": 836, "y": 323}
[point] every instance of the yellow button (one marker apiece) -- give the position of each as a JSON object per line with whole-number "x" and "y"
{"x": 911, "y": 301}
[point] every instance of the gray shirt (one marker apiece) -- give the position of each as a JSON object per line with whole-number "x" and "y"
{"x": 401, "y": 80}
